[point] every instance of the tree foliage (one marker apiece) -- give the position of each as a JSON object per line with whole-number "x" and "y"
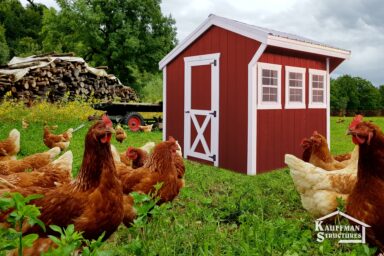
{"x": 124, "y": 35}
{"x": 22, "y": 27}
{"x": 4, "y": 49}
{"x": 355, "y": 95}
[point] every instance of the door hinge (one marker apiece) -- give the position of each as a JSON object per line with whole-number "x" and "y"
{"x": 187, "y": 112}
{"x": 214, "y": 63}
{"x": 213, "y": 158}
{"x": 213, "y": 113}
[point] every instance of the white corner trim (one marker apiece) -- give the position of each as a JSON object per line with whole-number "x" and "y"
{"x": 252, "y": 112}
{"x": 294, "y": 105}
{"x": 165, "y": 103}
{"x": 326, "y": 89}
{"x": 260, "y": 103}
{"x": 328, "y": 86}
{"x": 307, "y": 47}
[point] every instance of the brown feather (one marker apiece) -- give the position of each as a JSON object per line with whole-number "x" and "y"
{"x": 367, "y": 198}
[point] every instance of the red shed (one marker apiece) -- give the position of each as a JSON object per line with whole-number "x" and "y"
{"x": 240, "y": 96}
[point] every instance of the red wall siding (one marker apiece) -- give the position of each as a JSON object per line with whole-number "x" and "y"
{"x": 236, "y": 52}
{"x": 281, "y": 131}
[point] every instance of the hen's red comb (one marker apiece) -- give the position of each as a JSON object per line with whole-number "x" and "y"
{"x": 106, "y": 120}
{"x": 356, "y": 120}
{"x": 129, "y": 150}
{"x": 171, "y": 139}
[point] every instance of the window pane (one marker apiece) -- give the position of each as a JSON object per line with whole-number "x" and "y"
{"x": 269, "y": 77}
{"x": 293, "y": 83}
{"x": 266, "y": 73}
{"x": 266, "y": 81}
{"x": 318, "y": 96}
{"x": 295, "y": 76}
{"x": 317, "y": 81}
{"x": 295, "y": 95}
{"x": 269, "y": 94}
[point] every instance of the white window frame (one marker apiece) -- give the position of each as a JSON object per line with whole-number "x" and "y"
{"x": 295, "y": 104}
{"x": 267, "y": 104}
{"x": 312, "y": 104}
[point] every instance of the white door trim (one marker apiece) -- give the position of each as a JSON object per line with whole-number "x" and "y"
{"x": 212, "y": 115}
{"x": 252, "y": 111}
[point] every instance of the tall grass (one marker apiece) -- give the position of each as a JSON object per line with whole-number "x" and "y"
{"x": 219, "y": 212}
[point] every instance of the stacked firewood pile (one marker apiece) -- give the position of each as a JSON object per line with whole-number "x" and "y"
{"x": 55, "y": 76}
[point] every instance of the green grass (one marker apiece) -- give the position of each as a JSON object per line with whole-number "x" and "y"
{"x": 218, "y": 212}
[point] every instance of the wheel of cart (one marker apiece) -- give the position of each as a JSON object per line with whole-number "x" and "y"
{"x": 133, "y": 120}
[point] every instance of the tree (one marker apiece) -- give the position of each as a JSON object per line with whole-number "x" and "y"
{"x": 369, "y": 95}
{"x": 4, "y": 50}
{"x": 355, "y": 94}
{"x": 22, "y": 26}
{"x": 381, "y": 90}
{"x": 128, "y": 36}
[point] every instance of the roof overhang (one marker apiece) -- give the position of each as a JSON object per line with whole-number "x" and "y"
{"x": 257, "y": 34}
{"x": 307, "y": 47}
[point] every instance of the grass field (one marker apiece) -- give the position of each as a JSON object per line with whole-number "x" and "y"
{"x": 218, "y": 212}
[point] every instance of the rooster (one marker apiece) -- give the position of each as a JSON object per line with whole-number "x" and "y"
{"x": 120, "y": 134}
{"x": 62, "y": 140}
{"x": 316, "y": 152}
{"x": 93, "y": 202}
{"x": 11, "y": 146}
{"x": 367, "y": 198}
{"x": 31, "y": 162}
{"x": 56, "y": 173}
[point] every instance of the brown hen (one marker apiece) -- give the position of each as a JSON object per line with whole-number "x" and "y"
{"x": 366, "y": 201}
{"x": 93, "y": 202}
{"x": 10, "y": 146}
{"x": 316, "y": 152}
{"x": 120, "y": 134}
{"x": 31, "y": 162}
{"x": 56, "y": 173}
{"x": 61, "y": 140}
{"x": 160, "y": 168}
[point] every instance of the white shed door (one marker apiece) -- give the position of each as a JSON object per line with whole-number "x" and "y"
{"x": 201, "y": 107}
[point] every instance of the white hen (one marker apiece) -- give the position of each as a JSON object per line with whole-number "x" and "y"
{"x": 318, "y": 188}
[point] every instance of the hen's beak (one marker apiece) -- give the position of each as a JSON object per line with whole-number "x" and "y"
{"x": 111, "y": 130}
{"x": 349, "y": 132}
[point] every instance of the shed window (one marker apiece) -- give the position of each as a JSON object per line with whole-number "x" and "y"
{"x": 294, "y": 87}
{"x": 269, "y": 86}
{"x": 317, "y": 89}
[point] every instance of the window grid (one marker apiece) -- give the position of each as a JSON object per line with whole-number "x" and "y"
{"x": 295, "y": 84}
{"x": 295, "y": 87}
{"x": 317, "y": 88}
{"x": 269, "y": 85}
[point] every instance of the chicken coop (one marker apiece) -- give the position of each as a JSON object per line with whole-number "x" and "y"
{"x": 239, "y": 97}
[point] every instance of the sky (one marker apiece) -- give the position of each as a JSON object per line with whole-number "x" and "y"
{"x": 355, "y": 25}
